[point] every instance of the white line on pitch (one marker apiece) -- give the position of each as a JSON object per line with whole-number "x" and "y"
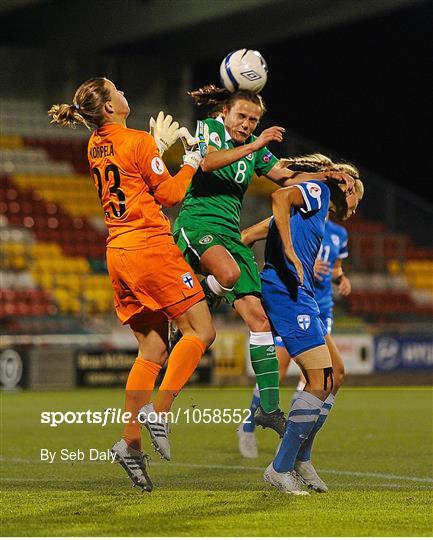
{"x": 377, "y": 475}
{"x": 242, "y": 468}
{"x": 174, "y": 487}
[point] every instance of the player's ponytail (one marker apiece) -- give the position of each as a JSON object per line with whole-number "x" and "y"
{"x": 67, "y": 116}
{"x": 86, "y": 108}
{"x": 214, "y": 99}
{"x": 209, "y": 95}
{"x": 347, "y": 168}
{"x": 321, "y": 163}
{"x": 310, "y": 163}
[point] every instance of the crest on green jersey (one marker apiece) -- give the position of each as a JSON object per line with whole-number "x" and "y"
{"x": 215, "y": 138}
{"x": 206, "y": 239}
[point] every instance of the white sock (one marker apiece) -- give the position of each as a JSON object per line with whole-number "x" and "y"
{"x": 301, "y": 386}
{"x": 216, "y": 287}
{"x": 261, "y": 338}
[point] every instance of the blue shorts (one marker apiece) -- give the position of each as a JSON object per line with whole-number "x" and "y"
{"x": 297, "y": 323}
{"x": 278, "y": 342}
{"x": 327, "y": 321}
{"x": 327, "y": 318}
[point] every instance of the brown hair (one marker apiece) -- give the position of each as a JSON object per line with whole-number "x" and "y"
{"x": 215, "y": 99}
{"x": 86, "y": 108}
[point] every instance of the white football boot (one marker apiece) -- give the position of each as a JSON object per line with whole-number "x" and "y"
{"x": 135, "y": 464}
{"x": 157, "y": 427}
{"x": 286, "y": 482}
{"x": 308, "y": 475}
{"x": 247, "y": 443}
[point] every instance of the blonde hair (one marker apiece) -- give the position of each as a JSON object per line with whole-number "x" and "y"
{"x": 349, "y": 168}
{"x": 86, "y": 108}
{"x": 359, "y": 188}
{"x": 309, "y": 163}
{"x": 321, "y": 163}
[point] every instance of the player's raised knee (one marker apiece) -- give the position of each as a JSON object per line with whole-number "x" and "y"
{"x": 229, "y": 277}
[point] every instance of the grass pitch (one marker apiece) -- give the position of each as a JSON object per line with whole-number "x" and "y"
{"x": 374, "y": 453}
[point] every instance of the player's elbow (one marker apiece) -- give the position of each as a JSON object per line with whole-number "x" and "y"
{"x": 167, "y": 202}
{"x": 206, "y": 165}
{"x": 278, "y": 196}
{"x": 170, "y": 198}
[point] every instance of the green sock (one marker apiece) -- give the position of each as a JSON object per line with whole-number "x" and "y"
{"x": 265, "y": 365}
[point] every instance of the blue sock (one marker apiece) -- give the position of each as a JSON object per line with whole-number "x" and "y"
{"x": 302, "y": 417}
{"x": 294, "y": 397}
{"x": 304, "y": 453}
{"x": 251, "y": 425}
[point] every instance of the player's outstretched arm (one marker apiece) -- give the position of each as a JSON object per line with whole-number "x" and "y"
{"x": 171, "y": 190}
{"x": 167, "y": 190}
{"x": 217, "y": 159}
{"x": 285, "y": 177}
{"x": 259, "y": 231}
{"x": 282, "y": 201}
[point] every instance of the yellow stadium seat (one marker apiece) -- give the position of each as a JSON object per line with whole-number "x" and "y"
{"x": 394, "y": 267}
{"x": 11, "y": 141}
{"x": 15, "y": 256}
{"x": 418, "y": 273}
{"x": 70, "y": 191}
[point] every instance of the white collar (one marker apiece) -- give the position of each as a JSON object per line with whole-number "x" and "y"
{"x": 220, "y": 119}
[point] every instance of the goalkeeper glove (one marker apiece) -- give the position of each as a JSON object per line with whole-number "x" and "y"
{"x": 164, "y": 131}
{"x": 195, "y": 147}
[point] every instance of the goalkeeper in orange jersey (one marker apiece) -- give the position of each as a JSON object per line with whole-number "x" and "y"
{"x": 152, "y": 282}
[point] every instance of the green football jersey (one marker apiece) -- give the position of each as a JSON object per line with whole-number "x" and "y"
{"x": 214, "y": 200}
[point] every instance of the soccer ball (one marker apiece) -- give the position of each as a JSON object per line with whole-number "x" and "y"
{"x": 244, "y": 70}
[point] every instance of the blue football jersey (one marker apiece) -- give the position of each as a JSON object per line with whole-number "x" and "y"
{"x": 307, "y": 227}
{"x": 334, "y": 247}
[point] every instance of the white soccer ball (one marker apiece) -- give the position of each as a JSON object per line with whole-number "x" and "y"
{"x": 244, "y": 70}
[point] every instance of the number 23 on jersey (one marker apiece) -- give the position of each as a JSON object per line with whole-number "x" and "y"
{"x": 116, "y": 198}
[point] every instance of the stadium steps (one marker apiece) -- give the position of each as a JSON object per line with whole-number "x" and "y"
{"x": 76, "y": 194}
{"x": 50, "y": 221}
{"x": 57, "y": 260}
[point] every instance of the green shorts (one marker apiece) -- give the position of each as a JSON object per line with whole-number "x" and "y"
{"x": 194, "y": 242}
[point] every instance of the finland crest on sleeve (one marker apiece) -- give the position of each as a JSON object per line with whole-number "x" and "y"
{"x": 304, "y": 321}
{"x": 335, "y": 239}
{"x": 188, "y": 280}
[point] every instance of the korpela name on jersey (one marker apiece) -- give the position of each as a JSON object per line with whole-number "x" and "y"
{"x": 105, "y": 150}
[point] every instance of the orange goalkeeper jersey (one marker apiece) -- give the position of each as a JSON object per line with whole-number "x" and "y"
{"x": 133, "y": 184}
